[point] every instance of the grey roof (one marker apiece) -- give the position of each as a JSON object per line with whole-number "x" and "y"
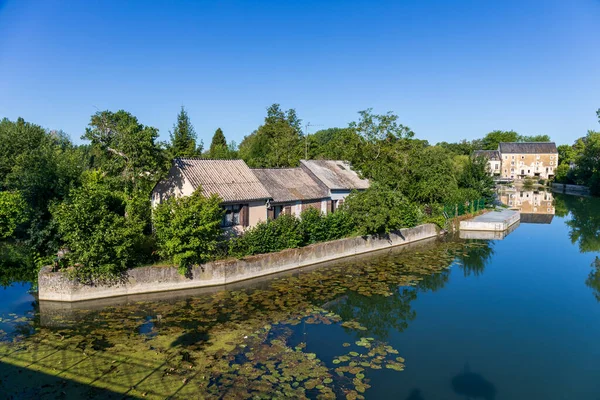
{"x": 335, "y": 174}
{"x": 232, "y": 180}
{"x": 489, "y": 154}
{"x": 528, "y": 148}
{"x": 290, "y": 184}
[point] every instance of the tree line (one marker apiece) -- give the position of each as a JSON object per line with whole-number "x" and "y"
{"x": 94, "y": 198}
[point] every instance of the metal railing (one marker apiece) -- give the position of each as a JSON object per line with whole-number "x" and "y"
{"x": 468, "y": 207}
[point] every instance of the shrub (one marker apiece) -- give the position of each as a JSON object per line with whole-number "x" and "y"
{"x": 13, "y": 212}
{"x": 187, "y": 229}
{"x": 317, "y": 227}
{"x": 94, "y": 224}
{"x": 267, "y": 237}
{"x": 381, "y": 210}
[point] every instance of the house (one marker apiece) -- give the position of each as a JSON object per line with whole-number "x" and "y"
{"x": 244, "y": 196}
{"x": 337, "y": 176}
{"x": 533, "y": 159}
{"x": 292, "y": 191}
{"x": 493, "y": 158}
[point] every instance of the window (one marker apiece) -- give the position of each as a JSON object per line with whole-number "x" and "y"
{"x": 552, "y": 157}
{"x": 506, "y": 157}
{"x": 512, "y": 170}
{"x": 232, "y": 215}
{"x": 513, "y": 157}
{"x": 512, "y": 163}
{"x": 497, "y": 166}
{"x": 522, "y": 157}
{"x": 551, "y": 162}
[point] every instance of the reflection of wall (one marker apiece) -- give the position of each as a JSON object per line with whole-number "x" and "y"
{"x": 529, "y": 202}
{"x": 533, "y": 165}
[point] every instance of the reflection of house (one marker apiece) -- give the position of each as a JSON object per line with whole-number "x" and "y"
{"x": 244, "y": 196}
{"x": 493, "y": 158}
{"x": 337, "y": 176}
{"x": 529, "y": 204}
{"x": 535, "y": 159}
{"x": 292, "y": 191}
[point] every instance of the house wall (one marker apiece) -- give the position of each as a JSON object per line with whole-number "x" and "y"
{"x": 495, "y": 167}
{"x": 175, "y": 184}
{"x": 258, "y": 213}
{"x": 517, "y": 165}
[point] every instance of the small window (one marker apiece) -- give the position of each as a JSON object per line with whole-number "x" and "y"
{"x": 547, "y": 209}
{"x": 497, "y": 166}
{"x": 506, "y": 157}
{"x": 512, "y": 163}
{"x": 231, "y": 216}
{"x": 513, "y": 157}
{"x": 551, "y": 162}
{"x": 522, "y": 157}
{"x": 552, "y": 157}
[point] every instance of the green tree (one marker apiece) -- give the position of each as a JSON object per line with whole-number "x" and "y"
{"x": 219, "y": 149}
{"x": 187, "y": 229}
{"x": 277, "y": 143}
{"x": 103, "y": 229}
{"x": 183, "y": 138}
{"x": 379, "y": 210}
{"x": 534, "y": 138}
{"x": 13, "y": 212}
{"x": 475, "y": 176}
{"x": 492, "y": 139}
{"x": 126, "y": 149}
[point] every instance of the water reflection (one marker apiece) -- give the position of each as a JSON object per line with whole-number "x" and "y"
{"x": 475, "y": 261}
{"x": 584, "y": 221}
{"x": 593, "y": 280}
{"x": 473, "y": 385}
{"x": 536, "y": 207}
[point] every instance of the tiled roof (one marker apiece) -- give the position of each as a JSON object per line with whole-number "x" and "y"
{"x": 528, "y": 148}
{"x": 489, "y": 154}
{"x": 290, "y": 184}
{"x": 232, "y": 180}
{"x": 335, "y": 174}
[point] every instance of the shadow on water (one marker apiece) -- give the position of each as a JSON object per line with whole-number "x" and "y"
{"x": 473, "y": 386}
{"x": 415, "y": 394}
{"x": 16, "y": 383}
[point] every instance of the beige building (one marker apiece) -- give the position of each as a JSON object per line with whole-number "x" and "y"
{"x": 244, "y": 197}
{"x": 494, "y": 160}
{"x": 521, "y": 160}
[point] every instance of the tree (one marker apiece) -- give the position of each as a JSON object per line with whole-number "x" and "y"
{"x": 475, "y": 176}
{"x": 598, "y": 114}
{"x": 534, "y": 138}
{"x": 13, "y": 212}
{"x": 103, "y": 229}
{"x": 187, "y": 229}
{"x": 126, "y": 149}
{"x": 219, "y": 149}
{"x": 183, "y": 138}
{"x": 492, "y": 139}
{"x": 379, "y": 210}
{"x": 277, "y": 143}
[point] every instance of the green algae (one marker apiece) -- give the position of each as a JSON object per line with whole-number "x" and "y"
{"x": 233, "y": 344}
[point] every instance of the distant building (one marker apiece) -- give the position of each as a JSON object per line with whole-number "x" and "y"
{"x": 534, "y": 159}
{"x": 494, "y": 160}
{"x": 244, "y": 196}
{"x": 337, "y": 176}
{"x": 534, "y": 206}
{"x": 292, "y": 191}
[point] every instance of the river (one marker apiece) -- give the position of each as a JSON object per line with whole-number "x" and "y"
{"x": 516, "y": 318}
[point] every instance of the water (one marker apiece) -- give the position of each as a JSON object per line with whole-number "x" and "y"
{"x": 516, "y": 318}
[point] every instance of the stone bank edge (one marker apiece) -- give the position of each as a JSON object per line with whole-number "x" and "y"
{"x": 56, "y": 286}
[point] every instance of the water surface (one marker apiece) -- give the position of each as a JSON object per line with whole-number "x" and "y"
{"x": 516, "y": 318}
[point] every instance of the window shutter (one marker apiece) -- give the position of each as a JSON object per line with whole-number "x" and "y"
{"x": 244, "y": 215}
{"x": 271, "y": 212}
{"x": 329, "y": 209}
{"x": 287, "y": 210}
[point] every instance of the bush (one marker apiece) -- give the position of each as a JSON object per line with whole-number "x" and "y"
{"x": 13, "y": 212}
{"x": 381, "y": 210}
{"x": 267, "y": 237}
{"x": 316, "y": 227}
{"x": 187, "y": 229}
{"x": 103, "y": 237}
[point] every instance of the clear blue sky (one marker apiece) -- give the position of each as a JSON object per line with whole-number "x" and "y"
{"x": 449, "y": 69}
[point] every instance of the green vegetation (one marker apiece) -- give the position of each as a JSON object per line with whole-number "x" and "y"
{"x": 187, "y": 229}
{"x": 93, "y": 199}
{"x": 579, "y": 163}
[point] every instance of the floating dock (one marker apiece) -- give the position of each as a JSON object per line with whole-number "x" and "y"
{"x": 498, "y": 220}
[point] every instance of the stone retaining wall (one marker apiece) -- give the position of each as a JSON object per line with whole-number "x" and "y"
{"x": 565, "y": 188}
{"x": 55, "y": 286}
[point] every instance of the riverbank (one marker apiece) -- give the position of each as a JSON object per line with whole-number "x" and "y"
{"x": 56, "y": 286}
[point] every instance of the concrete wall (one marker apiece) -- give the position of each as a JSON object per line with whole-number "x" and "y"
{"x": 55, "y": 286}
{"x": 563, "y": 187}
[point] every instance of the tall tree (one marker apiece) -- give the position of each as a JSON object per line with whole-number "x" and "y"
{"x": 183, "y": 137}
{"x": 276, "y": 143}
{"x": 218, "y": 140}
{"x": 219, "y": 149}
{"x": 534, "y": 138}
{"x": 492, "y": 139}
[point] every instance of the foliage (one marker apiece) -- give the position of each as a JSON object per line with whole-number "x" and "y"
{"x": 102, "y": 229}
{"x": 183, "y": 138}
{"x": 267, "y": 237}
{"x": 187, "y": 229}
{"x": 276, "y": 143}
{"x": 379, "y": 210}
{"x": 317, "y": 227}
{"x": 13, "y": 212}
{"x": 492, "y": 139}
{"x": 126, "y": 149}
{"x": 219, "y": 149}
{"x": 16, "y": 264}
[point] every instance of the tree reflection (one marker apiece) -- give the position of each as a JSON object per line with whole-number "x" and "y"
{"x": 593, "y": 280}
{"x": 16, "y": 264}
{"x": 473, "y": 385}
{"x": 584, "y": 223}
{"x": 477, "y": 258}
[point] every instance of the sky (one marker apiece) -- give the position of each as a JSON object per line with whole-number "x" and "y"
{"x": 449, "y": 69}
